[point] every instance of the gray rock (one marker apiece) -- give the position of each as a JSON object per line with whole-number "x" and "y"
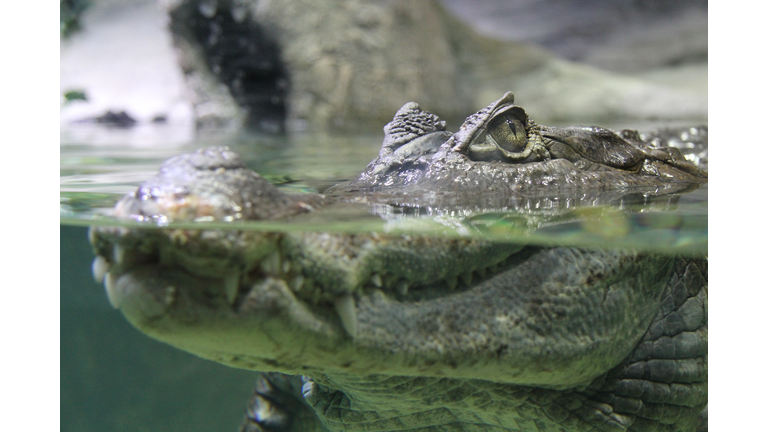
{"x": 348, "y": 65}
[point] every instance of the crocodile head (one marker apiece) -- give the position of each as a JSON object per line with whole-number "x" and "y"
{"x": 500, "y": 151}
{"x": 343, "y": 307}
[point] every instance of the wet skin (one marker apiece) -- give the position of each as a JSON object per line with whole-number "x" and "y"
{"x": 423, "y": 333}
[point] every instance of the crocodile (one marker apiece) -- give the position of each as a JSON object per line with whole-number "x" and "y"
{"x": 376, "y": 331}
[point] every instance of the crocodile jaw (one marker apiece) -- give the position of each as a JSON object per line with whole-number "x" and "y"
{"x": 523, "y": 326}
{"x": 305, "y": 303}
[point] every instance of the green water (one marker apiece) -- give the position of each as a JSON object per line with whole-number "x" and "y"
{"x": 115, "y": 379}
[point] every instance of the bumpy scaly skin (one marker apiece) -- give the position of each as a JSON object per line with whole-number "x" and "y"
{"x": 661, "y": 385}
{"x": 588, "y": 158}
{"x": 415, "y": 333}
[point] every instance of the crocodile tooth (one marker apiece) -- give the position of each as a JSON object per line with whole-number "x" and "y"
{"x": 297, "y": 283}
{"x": 451, "y": 281}
{"x": 118, "y": 254}
{"x": 402, "y": 288}
{"x": 170, "y": 294}
{"x": 286, "y": 266}
{"x": 231, "y": 286}
{"x": 376, "y": 280}
{"x": 110, "y": 285}
{"x": 345, "y": 307}
{"x": 99, "y": 268}
{"x": 466, "y": 277}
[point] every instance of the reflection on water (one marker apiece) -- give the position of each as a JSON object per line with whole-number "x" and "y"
{"x": 114, "y": 378}
{"x": 94, "y": 177}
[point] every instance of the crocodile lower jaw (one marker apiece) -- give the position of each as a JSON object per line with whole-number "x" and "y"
{"x": 153, "y": 274}
{"x": 259, "y": 317}
{"x": 243, "y": 259}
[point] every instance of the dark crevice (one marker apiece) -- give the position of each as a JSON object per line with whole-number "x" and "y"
{"x": 241, "y": 55}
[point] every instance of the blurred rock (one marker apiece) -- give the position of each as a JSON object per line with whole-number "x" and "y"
{"x": 112, "y": 119}
{"x": 621, "y": 36}
{"x": 123, "y": 59}
{"x": 70, "y": 12}
{"x": 349, "y": 65}
{"x": 116, "y": 119}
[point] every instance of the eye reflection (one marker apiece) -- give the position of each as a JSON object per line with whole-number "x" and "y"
{"x": 508, "y": 132}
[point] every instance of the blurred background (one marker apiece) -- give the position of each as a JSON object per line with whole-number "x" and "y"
{"x": 348, "y": 65}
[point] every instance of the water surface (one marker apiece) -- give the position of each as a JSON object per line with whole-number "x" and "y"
{"x": 94, "y": 177}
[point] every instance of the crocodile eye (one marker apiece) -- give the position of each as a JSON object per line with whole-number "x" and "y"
{"x": 508, "y": 132}
{"x": 504, "y": 138}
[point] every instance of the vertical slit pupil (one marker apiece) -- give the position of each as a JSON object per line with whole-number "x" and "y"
{"x": 512, "y": 137}
{"x": 511, "y": 125}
